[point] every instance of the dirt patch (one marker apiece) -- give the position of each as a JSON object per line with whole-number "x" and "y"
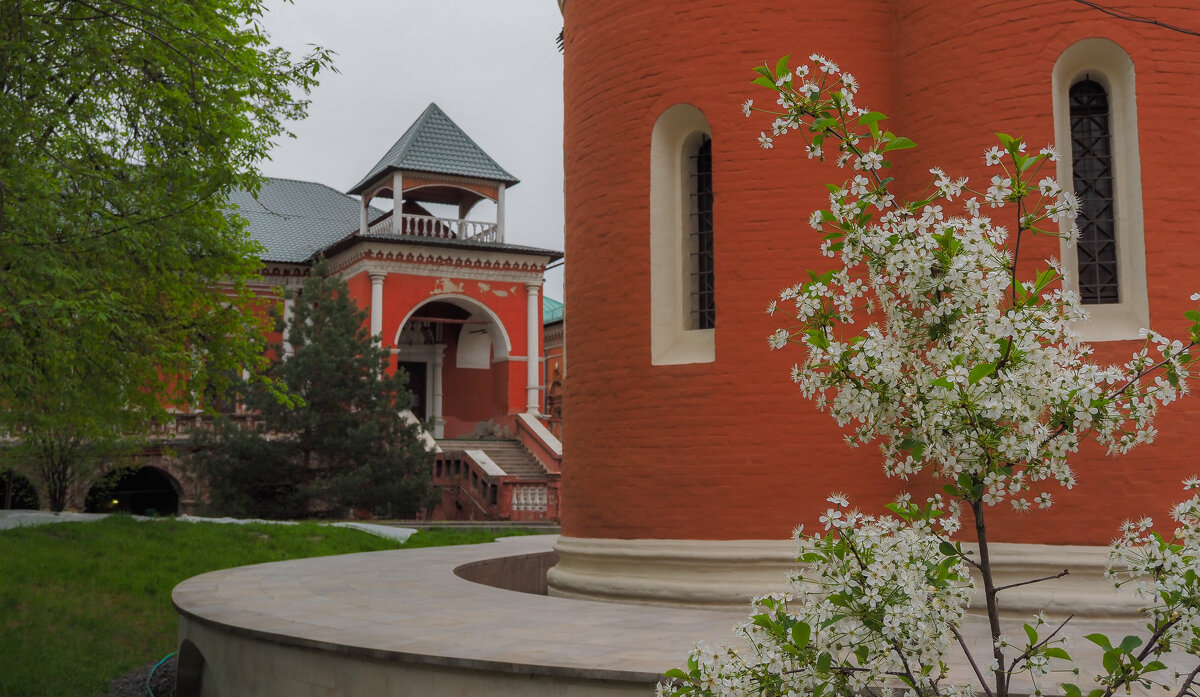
{"x": 133, "y": 683}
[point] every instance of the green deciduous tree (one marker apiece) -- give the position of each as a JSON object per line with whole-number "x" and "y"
{"x": 124, "y": 124}
{"x": 348, "y": 446}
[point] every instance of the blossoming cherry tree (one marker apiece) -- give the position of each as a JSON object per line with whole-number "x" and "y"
{"x": 927, "y": 341}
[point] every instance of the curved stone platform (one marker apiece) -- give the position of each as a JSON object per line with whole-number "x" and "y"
{"x": 448, "y": 621}
{"x": 403, "y": 623}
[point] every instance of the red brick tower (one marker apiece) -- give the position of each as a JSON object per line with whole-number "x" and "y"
{"x": 689, "y": 447}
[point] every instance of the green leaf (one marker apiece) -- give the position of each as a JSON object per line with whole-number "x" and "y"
{"x": 1099, "y": 640}
{"x": 980, "y": 371}
{"x": 822, "y": 123}
{"x": 1129, "y": 643}
{"x": 765, "y": 82}
{"x": 781, "y": 66}
{"x": 824, "y": 661}
{"x": 817, "y": 338}
{"x": 871, "y": 121}
{"x": 948, "y": 549}
{"x": 677, "y": 674}
{"x": 871, "y": 117}
{"x": 1071, "y": 689}
{"x": 1032, "y": 634}
{"x": 899, "y": 143}
{"x": 1112, "y": 661}
{"x": 1056, "y": 652}
{"x": 801, "y": 633}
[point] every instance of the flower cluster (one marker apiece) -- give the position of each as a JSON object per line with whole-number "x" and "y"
{"x": 1165, "y": 572}
{"x": 877, "y": 604}
{"x": 929, "y": 341}
{"x": 963, "y": 366}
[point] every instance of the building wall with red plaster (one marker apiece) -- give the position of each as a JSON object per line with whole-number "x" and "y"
{"x": 729, "y": 449}
{"x": 471, "y": 395}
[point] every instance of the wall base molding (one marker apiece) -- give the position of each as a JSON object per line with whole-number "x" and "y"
{"x": 721, "y": 574}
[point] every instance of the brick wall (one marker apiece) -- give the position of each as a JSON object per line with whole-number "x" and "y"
{"x": 728, "y": 450}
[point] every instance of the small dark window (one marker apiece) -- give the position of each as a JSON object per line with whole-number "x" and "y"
{"x": 700, "y": 239}
{"x": 1091, "y": 158}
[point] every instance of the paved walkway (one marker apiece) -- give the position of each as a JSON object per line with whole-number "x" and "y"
{"x": 23, "y": 518}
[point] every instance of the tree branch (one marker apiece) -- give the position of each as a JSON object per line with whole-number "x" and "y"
{"x": 971, "y": 660}
{"x": 1060, "y": 574}
{"x": 1029, "y": 651}
{"x": 1191, "y": 678}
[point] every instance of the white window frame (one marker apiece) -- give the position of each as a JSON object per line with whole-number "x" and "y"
{"x": 1108, "y": 64}
{"x": 672, "y": 342}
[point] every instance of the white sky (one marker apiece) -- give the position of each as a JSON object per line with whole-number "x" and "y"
{"x": 491, "y": 65}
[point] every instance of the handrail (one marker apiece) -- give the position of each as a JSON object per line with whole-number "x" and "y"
{"x": 463, "y": 482}
{"x": 540, "y": 442}
{"x": 433, "y": 226}
{"x": 471, "y": 497}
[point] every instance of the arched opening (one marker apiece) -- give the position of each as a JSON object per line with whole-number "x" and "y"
{"x": 189, "y": 676}
{"x": 455, "y": 351}
{"x": 682, "y": 240}
{"x": 139, "y": 491}
{"x": 1095, "y": 121}
{"x": 17, "y": 492}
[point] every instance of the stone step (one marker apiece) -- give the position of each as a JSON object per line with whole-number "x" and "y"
{"x": 509, "y": 456}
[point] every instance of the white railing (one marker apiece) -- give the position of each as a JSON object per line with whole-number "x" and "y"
{"x": 445, "y": 228}
{"x": 529, "y": 498}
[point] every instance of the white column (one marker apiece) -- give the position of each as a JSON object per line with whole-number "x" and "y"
{"x": 435, "y": 406}
{"x": 533, "y": 366}
{"x": 397, "y": 203}
{"x": 289, "y": 309}
{"x": 463, "y": 207}
{"x": 500, "y": 215}
{"x": 377, "y": 304}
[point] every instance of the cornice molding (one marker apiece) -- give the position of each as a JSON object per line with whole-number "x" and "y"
{"x": 290, "y": 276}
{"x": 417, "y": 260}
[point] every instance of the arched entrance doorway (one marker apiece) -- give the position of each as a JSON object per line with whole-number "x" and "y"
{"x": 17, "y": 492}
{"x": 452, "y": 348}
{"x": 140, "y": 491}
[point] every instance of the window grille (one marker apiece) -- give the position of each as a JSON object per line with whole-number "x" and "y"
{"x": 700, "y": 239}
{"x": 1091, "y": 158}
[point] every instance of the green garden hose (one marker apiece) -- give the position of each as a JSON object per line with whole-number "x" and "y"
{"x": 151, "y": 675}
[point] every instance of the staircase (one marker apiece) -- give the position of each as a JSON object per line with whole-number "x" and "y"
{"x": 509, "y": 455}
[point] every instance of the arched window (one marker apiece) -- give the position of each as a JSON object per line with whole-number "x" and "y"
{"x": 1092, "y": 177}
{"x": 702, "y": 295}
{"x": 1095, "y": 120}
{"x": 683, "y": 313}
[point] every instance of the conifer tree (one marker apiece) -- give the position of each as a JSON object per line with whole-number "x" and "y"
{"x": 348, "y": 445}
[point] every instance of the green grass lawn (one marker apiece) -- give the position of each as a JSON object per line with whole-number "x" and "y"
{"x": 82, "y": 603}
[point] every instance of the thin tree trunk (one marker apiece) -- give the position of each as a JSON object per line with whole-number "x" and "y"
{"x": 989, "y": 590}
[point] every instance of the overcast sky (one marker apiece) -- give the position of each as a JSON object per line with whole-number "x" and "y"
{"x": 491, "y": 65}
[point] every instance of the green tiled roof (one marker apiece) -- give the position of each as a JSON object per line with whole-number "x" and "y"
{"x": 552, "y": 310}
{"x": 293, "y": 219}
{"x": 436, "y": 144}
